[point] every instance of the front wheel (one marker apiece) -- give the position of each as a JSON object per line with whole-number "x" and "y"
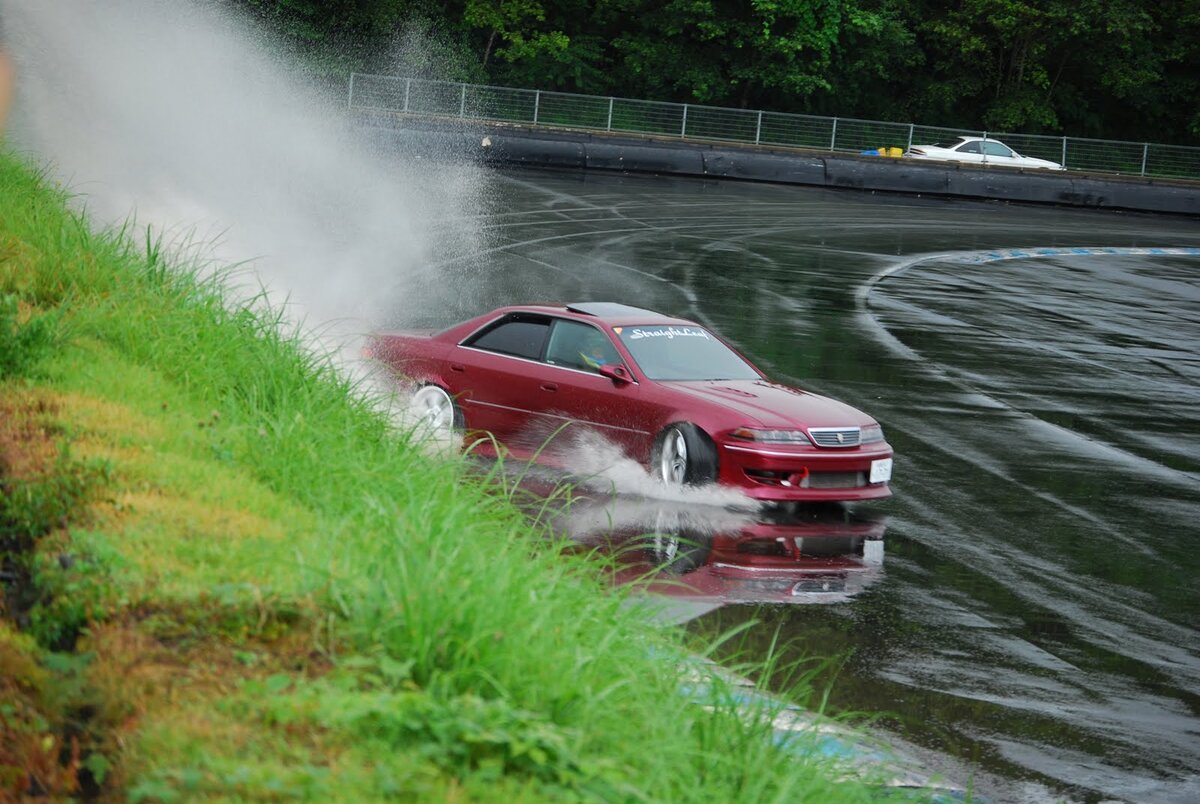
{"x": 684, "y": 456}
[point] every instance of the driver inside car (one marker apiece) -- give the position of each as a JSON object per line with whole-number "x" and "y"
{"x": 596, "y": 352}
{"x": 593, "y": 357}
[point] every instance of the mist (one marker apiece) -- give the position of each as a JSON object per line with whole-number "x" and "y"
{"x": 183, "y": 117}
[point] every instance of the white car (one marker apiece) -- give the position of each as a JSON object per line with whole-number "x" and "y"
{"x": 978, "y": 151}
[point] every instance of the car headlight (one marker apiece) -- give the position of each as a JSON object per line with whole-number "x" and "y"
{"x": 871, "y": 434}
{"x": 771, "y": 436}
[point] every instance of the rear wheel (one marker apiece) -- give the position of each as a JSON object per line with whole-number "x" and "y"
{"x": 435, "y": 410}
{"x": 684, "y": 456}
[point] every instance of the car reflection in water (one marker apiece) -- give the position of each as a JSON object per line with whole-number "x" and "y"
{"x": 690, "y": 560}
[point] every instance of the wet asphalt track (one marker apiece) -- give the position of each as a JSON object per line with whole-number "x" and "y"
{"x": 1036, "y": 369}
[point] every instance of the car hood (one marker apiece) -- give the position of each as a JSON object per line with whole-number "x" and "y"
{"x": 768, "y": 404}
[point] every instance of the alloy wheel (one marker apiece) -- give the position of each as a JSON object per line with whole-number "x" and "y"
{"x": 434, "y": 408}
{"x": 673, "y": 463}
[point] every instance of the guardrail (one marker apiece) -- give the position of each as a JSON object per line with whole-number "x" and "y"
{"x": 758, "y": 127}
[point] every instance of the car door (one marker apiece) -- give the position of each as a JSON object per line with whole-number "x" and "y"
{"x": 494, "y": 373}
{"x": 576, "y": 393}
{"x": 970, "y": 152}
{"x": 999, "y": 154}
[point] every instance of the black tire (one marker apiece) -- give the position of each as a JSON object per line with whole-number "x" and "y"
{"x": 684, "y": 455}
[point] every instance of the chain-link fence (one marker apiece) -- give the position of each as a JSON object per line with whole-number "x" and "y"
{"x": 693, "y": 122}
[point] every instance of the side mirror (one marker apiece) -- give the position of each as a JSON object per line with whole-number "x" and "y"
{"x": 616, "y": 372}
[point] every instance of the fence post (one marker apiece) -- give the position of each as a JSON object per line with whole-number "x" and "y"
{"x": 350, "y": 97}
{"x": 1064, "y": 155}
{"x": 537, "y": 101}
{"x": 758, "y": 128}
{"x": 462, "y": 102}
{"x": 608, "y": 127}
{"x": 911, "y": 127}
{"x": 407, "y": 87}
{"x": 683, "y": 125}
{"x": 1145, "y": 153}
{"x": 833, "y": 135}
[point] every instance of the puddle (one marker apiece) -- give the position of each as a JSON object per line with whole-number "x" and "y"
{"x": 687, "y": 560}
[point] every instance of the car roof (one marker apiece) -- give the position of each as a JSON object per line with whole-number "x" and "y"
{"x": 609, "y": 313}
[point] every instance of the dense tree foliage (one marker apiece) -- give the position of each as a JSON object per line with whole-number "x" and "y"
{"x": 1119, "y": 69}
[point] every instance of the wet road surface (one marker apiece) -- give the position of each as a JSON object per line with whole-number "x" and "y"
{"x": 1035, "y": 621}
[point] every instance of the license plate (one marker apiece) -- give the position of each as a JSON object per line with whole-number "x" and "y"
{"x": 881, "y": 470}
{"x": 819, "y": 584}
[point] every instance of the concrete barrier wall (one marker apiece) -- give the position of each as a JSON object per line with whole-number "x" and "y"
{"x": 532, "y": 147}
{"x": 764, "y": 166}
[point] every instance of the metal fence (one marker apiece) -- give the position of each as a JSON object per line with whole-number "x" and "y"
{"x": 714, "y": 124}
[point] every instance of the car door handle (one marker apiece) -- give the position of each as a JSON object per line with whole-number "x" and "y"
{"x": 457, "y": 367}
{"x": 549, "y": 386}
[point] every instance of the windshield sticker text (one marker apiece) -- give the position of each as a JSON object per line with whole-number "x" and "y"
{"x": 637, "y": 333}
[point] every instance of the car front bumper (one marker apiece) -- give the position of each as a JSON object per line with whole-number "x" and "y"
{"x": 795, "y": 473}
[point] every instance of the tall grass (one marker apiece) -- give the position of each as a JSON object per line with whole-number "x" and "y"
{"x": 460, "y": 650}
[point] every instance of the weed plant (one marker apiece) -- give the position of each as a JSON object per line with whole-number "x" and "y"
{"x": 283, "y": 596}
{"x": 22, "y": 342}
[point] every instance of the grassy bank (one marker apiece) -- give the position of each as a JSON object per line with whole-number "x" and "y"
{"x": 226, "y": 576}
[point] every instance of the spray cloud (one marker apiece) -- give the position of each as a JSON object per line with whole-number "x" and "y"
{"x": 181, "y": 115}
{"x": 184, "y": 117}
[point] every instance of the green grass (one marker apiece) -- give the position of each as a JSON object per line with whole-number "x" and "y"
{"x": 274, "y": 594}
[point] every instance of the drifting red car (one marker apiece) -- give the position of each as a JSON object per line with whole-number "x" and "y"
{"x": 670, "y": 393}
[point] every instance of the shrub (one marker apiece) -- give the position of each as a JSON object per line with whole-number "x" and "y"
{"x": 23, "y": 343}
{"x": 32, "y": 508}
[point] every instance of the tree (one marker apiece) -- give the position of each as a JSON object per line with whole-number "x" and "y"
{"x": 731, "y": 53}
{"x": 514, "y": 25}
{"x": 873, "y": 64}
{"x": 1116, "y": 69}
{"x": 1091, "y": 68}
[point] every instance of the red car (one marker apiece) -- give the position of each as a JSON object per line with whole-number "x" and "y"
{"x": 670, "y": 393}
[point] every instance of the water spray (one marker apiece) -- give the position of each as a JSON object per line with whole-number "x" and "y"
{"x": 188, "y": 120}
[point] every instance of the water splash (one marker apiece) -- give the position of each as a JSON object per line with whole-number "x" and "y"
{"x": 600, "y": 465}
{"x": 191, "y": 121}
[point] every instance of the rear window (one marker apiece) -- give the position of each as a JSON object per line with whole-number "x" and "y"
{"x": 520, "y": 337}
{"x": 683, "y": 353}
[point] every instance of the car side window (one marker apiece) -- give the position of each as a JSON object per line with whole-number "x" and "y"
{"x": 580, "y": 346}
{"x": 996, "y": 149}
{"x": 520, "y": 336}
{"x": 969, "y": 148}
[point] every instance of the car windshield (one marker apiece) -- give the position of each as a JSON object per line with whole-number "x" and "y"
{"x": 674, "y": 352}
